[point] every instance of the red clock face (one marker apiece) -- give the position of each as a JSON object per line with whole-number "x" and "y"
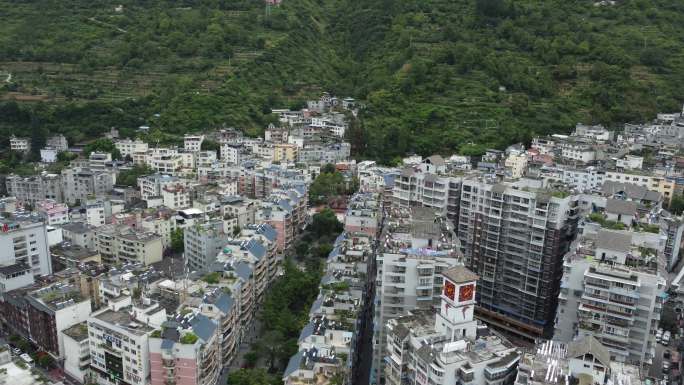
{"x": 449, "y": 290}
{"x": 465, "y": 293}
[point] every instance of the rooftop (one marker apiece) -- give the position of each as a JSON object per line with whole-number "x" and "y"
{"x": 78, "y": 332}
{"x": 460, "y": 274}
{"x": 124, "y": 320}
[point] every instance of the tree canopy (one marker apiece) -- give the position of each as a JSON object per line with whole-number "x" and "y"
{"x": 130, "y": 177}
{"x": 435, "y": 76}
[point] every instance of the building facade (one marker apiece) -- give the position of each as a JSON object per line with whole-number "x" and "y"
{"x": 515, "y": 238}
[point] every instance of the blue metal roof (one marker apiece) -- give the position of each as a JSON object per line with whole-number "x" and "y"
{"x": 334, "y": 253}
{"x": 255, "y": 248}
{"x": 316, "y": 305}
{"x": 203, "y": 326}
{"x": 223, "y": 302}
{"x": 294, "y": 363}
{"x": 267, "y": 231}
{"x": 243, "y": 270}
{"x": 327, "y": 279}
{"x": 389, "y": 179}
{"x": 341, "y": 237}
{"x": 307, "y": 331}
{"x": 285, "y": 205}
{"x": 167, "y": 344}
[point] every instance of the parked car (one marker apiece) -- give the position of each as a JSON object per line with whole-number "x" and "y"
{"x": 667, "y": 354}
{"x": 17, "y": 351}
{"x": 666, "y": 366}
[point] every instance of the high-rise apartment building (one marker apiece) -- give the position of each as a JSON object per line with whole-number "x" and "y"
{"x": 37, "y": 188}
{"x": 514, "y": 236}
{"x": 448, "y": 347}
{"x": 119, "y": 349}
{"x": 23, "y": 241}
{"x": 203, "y": 242}
{"x": 186, "y": 351}
{"x": 417, "y": 245}
{"x": 123, "y": 244}
{"x": 612, "y": 290}
{"x": 428, "y": 185}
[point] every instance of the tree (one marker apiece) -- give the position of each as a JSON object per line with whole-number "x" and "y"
{"x": 677, "y": 204}
{"x": 177, "y": 240}
{"x": 210, "y": 145}
{"x": 271, "y": 343}
{"x": 322, "y": 250}
{"x": 130, "y": 177}
{"x": 44, "y": 360}
{"x": 668, "y": 319}
{"x": 66, "y": 156}
{"x": 236, "y": 230}
{"x": 102, "y": 145}
{"x": 329, "y": 183}
{"x": 325, "y": 224}
{"x": 491, "y": 8}
{"x": 329, "y": 168}
{"x": 252, "y": 377}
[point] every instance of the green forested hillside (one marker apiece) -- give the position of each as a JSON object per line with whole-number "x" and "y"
{"x": 434, "y": 75}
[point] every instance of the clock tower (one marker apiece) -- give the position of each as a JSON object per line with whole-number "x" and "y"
{"x": 456, "y": 313}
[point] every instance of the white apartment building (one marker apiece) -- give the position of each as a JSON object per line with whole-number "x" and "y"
{"x": 418, "y": 245}
{"x": 25, "y": 241}
{"x": 193, "y": 143}
{"x": 20, "y": 144}
{"x": 515, "y": 165}
{"x": 428, "y": 189}
{"x": 123, "y": 244}
{"x": 206, "y": 158}
{"x": 128, "y": 147}
{"x": 203, "y": 242}
{"x": 152, "y": 185}
{"x": 585, "y": 179}
{"x": 598, "y": 133}
{"x": 583, "y": 361}
{"x": 98, "y": 160}
{"x": 77, "y": 351}
{"x": 611, "y": 290}
{"x": 15, "y": 276}
{"x": 176, "y": 197}
{"x": 658, "y": 183}
{"x": 578, "y": 151}
{"x": 165, "y": 161}
{"x": 80, "y": 184}
{"x": 35, "y": 188}
{"x": 119, "y": 350}
{"x": 58, "y": 142}
{"x": 54, "y": 213}
{"x": 160, "y": 225}
{"x": 231, "y": 153}
{"x": 630, "y": 162}
{"x": 545, "y": 145}
{"x": 95, "y": 213}
{"x": 448, "y": 347}
{"x": 48, "y": 154}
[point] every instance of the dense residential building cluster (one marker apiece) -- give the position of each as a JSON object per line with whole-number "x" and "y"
{"x": 554, "y": 264}
{"x": 329, "y": 344}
